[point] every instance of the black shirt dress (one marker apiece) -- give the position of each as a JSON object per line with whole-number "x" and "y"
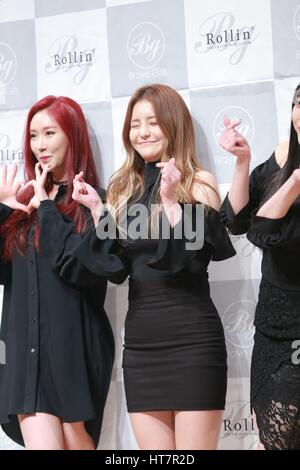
{"x": 59, "y": 343}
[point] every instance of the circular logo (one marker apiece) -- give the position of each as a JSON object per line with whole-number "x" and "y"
{"x": 297, "y": 22}
{"x": 238, "y": 323}
{"x": 8, "y": 64}
{"x": 145, "y": 45}
{"x": 246, "y": 128}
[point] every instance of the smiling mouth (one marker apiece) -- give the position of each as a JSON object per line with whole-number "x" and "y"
{"x": 148, "y": 142}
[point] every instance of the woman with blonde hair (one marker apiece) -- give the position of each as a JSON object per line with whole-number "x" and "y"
{"x": 174, "y": 353}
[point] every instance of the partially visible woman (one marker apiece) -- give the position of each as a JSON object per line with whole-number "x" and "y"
{"x": 59, "y": 343}
{"x": 268, "y": 209}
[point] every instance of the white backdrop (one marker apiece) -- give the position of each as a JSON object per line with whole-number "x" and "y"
{"x": 233, "y": 57}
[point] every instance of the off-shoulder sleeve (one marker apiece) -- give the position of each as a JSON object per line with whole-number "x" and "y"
{"x": 239, "y": 223}
{"x": 270, "y": 233}
{"x": 81, "y": 259}
{"x": 175, "y": 254}
{"x": 5, "y": 267}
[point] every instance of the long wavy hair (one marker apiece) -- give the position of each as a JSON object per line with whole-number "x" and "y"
{"x": 292, "y": 162}
{"x": 173, "y": 117}
{"x": 69, "y": 116}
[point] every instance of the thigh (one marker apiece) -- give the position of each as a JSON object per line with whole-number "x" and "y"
{"x": 154, "y": 429}
{"x": 41, "y": 431}
{"x": 197, "y": 430}
{"x": 76, "y": 437}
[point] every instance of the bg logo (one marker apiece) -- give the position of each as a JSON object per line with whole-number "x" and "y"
{"x": 246, "y": 128}
{"x": 238, "y": 323}
{"x": 8, "y": 64}
{"x": 145, "y": 45}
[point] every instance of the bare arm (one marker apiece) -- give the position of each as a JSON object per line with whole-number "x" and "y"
{"x": 278, "y": 205}
{"x": 236, "y": 144}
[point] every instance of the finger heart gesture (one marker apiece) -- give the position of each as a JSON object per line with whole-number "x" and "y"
{"x": 38, "y": 185}
{"x": 170, "y": 179}
{"x": 232, "y": 141}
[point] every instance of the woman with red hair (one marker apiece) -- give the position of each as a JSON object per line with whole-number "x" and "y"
{"x": 59, "y": 343}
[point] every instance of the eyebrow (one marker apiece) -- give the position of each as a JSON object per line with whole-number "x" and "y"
{"x": 149, "y": 117}
{"x": 45, "y": 128}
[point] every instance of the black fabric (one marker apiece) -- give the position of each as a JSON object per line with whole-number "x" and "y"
{"x": 174, "y": 351}
{"x": 59, "y": 343}
{"x": 278, "y": 238}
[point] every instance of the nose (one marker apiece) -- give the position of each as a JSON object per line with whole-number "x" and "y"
{"x": 41, "y": 144}
{"x": 144, "y": 130}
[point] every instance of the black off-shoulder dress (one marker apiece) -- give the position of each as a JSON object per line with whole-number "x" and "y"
{"x": 174, "y": 352}
{"x": 275, "y": 370}
{"x": 59, "y": 346}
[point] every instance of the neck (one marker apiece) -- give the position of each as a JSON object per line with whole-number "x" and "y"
{"x": 59, "y": 177}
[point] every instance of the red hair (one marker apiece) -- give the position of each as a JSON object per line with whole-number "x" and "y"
{"x": 69, "y": 116}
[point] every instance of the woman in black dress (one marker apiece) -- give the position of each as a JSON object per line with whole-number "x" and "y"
{"x": 174, "y": 361}
{"x": 59, "y": 343}
{"x": 269, "y": 210}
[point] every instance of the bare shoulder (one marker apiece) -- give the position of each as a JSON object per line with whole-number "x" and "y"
{"x": 281, "y": 152}
{"x": 205, "y": 189}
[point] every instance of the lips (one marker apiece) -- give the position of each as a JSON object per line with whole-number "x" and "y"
{"x": 44, "y": 159}
{"x": 148, "y": 142}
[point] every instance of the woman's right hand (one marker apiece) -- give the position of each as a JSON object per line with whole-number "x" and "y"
{"x": 233, "y": 141}
{"x": 86, "y": 195}
{"x": 9, "y": 189}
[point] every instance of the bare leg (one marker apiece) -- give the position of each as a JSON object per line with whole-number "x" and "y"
{"x": 154, "y": 429}
{"x": 197, "y": 430}
{"x": 76, "y": 437}
{"x": 41, "y": 431}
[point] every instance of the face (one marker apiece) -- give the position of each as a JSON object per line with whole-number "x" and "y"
{"x": 296, "y": 118}
{"x": 145, "y": 135}
{"x": 49, "y": 143}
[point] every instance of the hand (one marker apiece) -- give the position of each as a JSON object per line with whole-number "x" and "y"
{"x": 234, "y": 142}
{"x": 38, "y": 185}
{"x": 9, "y": 189}
{"x": 86, "y": 195}
{"x": 170, "y": 179}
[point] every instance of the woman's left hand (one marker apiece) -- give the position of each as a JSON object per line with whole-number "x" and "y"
{"x": 170, "y": 179}
{"x": 38, "y": 185}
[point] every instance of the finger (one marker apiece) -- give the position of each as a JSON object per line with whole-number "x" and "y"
{"x": 22, "y": 207}
{"x": 37, "y": 169}
{"x": 172, "y": 161}
{"x": 79, "y": 176}
{"x": 226, "y": 120}
{"x": 4, "y": 175}
{"x": 44, "y": 174}
{"x": 161, "y": 164}
{"x": 30, "y": 183}
{"x": 234, "y": 124}
{"x": 12, "y": 174}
